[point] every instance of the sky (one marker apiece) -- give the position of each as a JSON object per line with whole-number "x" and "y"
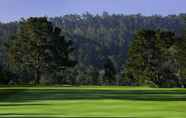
{"x": 11, "y": 10}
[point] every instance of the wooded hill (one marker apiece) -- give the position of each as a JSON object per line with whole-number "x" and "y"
{"x": 99, "y": 38}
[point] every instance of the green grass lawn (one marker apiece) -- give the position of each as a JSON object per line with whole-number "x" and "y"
{"x": 51, "y": 102}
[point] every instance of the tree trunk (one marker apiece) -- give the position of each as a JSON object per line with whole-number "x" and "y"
{"x": 37, "y": 77}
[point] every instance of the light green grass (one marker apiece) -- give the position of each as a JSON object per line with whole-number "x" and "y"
{"x": 90, "y": 101}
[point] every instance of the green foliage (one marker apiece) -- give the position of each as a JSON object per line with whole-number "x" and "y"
{"x": 151, "y": 58}
{"x": 106, "y": 35}
{"x": 181, "y": 58}
{"x": 38, "y": 47}
{"x": 95, "y": 37}
{"x": 110, "y": 72}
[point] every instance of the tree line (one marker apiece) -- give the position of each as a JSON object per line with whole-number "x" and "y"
{"x": 94, "y": 50}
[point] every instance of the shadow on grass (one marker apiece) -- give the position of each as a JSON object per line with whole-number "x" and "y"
{"x": 71, "y": 117}
{"x": 14, "y": 115}
{"x": 24, "y": 95}
{"x": 22, "y": 104}
{"x": 67, "y": 117}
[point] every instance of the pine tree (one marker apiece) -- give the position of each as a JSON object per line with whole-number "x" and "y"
{"x": 39, "y": 48}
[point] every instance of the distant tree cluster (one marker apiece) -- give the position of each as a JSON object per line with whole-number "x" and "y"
{"x": 94, "y": 50}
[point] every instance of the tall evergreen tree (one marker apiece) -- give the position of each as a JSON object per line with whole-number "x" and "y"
{"x": 181, "y": 59}
{"x": 38, "y": 47}
{"x": 151, "y": 59}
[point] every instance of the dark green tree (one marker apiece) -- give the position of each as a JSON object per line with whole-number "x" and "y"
{"x": 151, "y": 59}
{"x": 39, "y": 48}
{"x": 137, "y": 70}
{"x": 181, "y": 58}
{"x": 110, "y": 72}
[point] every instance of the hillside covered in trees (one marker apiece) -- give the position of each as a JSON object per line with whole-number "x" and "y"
{"x": 100, "y": 47}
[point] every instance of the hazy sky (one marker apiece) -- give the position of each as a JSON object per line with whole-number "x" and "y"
{"x": 14, "y": 9}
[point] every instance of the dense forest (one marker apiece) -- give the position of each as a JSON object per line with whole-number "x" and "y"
{"x": 107, "y": 49}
